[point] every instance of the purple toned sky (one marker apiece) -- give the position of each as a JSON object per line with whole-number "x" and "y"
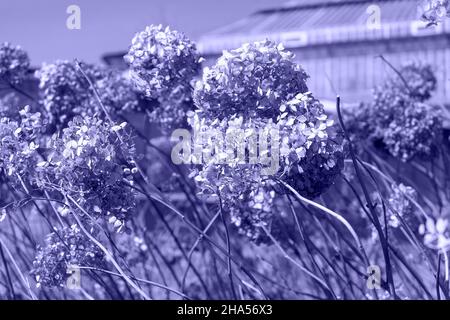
{"x": 39, "y": 26}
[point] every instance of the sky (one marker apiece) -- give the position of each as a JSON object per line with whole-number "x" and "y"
{"x": 39, "y": 26}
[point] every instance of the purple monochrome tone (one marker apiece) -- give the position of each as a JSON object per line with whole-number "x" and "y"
{"x": 222, "y": 165}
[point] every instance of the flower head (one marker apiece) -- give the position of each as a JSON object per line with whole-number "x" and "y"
{"x": 312, "y": 150}
{"x": 244, "y": 194}
{"x": 163, "y": 63}
{"x": 116, "y": 93}
{"x": 399, "y": 116}
{"x": 14, "y": 63}
{"x": 262, "y": 125}
{"x": 415, "y": 133}
{"x": 19, "y": 143}
{"x": 64, "y": 249}
{"x": 65, "y": 91}
{"x": 252, "y": 81}
{"x": 434, "y": 11}
{"x": 252, "y": 210}
{"x": 242, "y": 160}
{"x": 93, "y": 163}
{"x": 420, "y": 79}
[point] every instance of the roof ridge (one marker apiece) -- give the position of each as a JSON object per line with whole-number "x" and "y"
{"x": 319, "y": 4}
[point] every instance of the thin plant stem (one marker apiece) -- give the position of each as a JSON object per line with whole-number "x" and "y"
{"x": 106, "y": 251}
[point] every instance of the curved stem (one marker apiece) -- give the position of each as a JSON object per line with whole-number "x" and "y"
{"x": 335, "y": 215}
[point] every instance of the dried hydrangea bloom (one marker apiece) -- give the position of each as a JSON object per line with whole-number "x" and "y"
{"x": 416, "y": 84}
{"x": 255, "y": 89}
{"x": 312, "y": 146}
{"x": 65, "y": 91}
{"x": 91, "y": 164}
{"x": 252, "y": 80}
{"x": 64, "y": 250}
{"x": 399, "y": 117}
{"x": 14, "y": 63}
{"x": 163, "y": 63}
{"x": 169, "y": 115}
{"x": 244, "y": 193}
{"x": 18, "y": 144}
{"x": 253, "y": 210}
{"x": 421, "y": 80}
{"x": 241, "y": 187}
{"x": 303, "y": 148}
{"x": 434, "y": 11}
{"x": 116, "y": 93}
{"x": 415, "y": 133}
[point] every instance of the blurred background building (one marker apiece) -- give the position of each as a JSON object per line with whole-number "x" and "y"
{"x": 339, "y": 43}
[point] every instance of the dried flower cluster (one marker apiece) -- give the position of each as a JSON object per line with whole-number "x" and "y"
{"x": 252, "y": 81}
{"x": 163, "y": 63}
{"x": 256, "y": 92}
{"x": 19, "y": 144}
{"x": 116, "y": 93}
{"x": 399, "y": 115}
{"x": 263, "y": 154}
{"x": 64, "y": 249}
{"x": 92, "y": 163}
{"x": 14, "y": 63}
{"x": 65, "y": 91}
{"x": 312, "y": 146}
{"x": 435, "y": 11}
